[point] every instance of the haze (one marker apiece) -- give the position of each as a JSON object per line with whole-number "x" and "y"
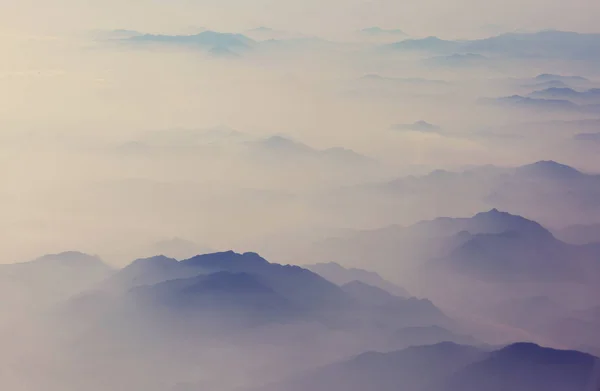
{"x": 336, "y": 195}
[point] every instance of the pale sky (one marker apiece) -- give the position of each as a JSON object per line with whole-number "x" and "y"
{"x": 425, "y": 17}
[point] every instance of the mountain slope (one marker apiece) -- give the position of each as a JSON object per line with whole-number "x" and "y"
{"x": 340, "y": 275}
{"x": 451, "y": 367}
{"x": 526, "y": 367}
{"x": 409, "y": 369}
{"x": 45, "y": 281}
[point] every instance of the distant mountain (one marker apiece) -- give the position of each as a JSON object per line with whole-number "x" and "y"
{"x": 427, "y": 335}
{"x": 146, "y": 271}
{"x": 48, "y": 280}
{"x": 164, "y": 284}
{"x": 340, "y": 275}
{"x": 552, "y": 193}
{"x": 300, "y": 286}
{"x": 535, "y": 103}
{"x": 369, "y": 295}
{"x": 585, "y": 97}
{"x": 492, "y": 246}
{"x": 238, "y": 298}
{"x": 429, "y": 44}
{"x": 450, "y": 367}
{"x": 382, "y": 31}
{"x": 548, "y": 169}
{"x": 543, "y": 44}
{"x": 285, "y": 149}
{"x": 547, "y": 77}
{"x": 547, "y": 80}
{"x": 527, "y": 252}
{"x": 547, "y": 84}
{"x": 212, "y": 41}
{"x": 419, "y": 126}
{"x": 490, "y": 222}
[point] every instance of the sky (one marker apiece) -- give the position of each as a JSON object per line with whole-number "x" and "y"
{"x": 430, "y": 17}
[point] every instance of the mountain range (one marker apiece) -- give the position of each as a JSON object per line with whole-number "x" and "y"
{"x": 492, "y": 245}
{"x": 554, "y": 194}
{"x": 581, "y": 97}
{"x": 451, "y": 367}
{"x": 543, "y": 44}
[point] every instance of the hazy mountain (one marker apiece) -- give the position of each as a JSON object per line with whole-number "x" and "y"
{"x": 296, "y": 284}
{"x": 491, "y": 245}
{"x": 419, "y": 126}
{"x": 285, "y": 149}
{"x": 526, "y": 367}
{"x": 450, "y": 367}
{"x": 238, "y": 298}
{"x": 212, "y": 41}
{"x": 410, "y": 369}
{"x": 429, "y": 44}
{"x": 526, "y": 253}
{"x": 551, "y": 193}
{"x": 581, "y": 97}
{"x": 490, "y": 222}
{"x": 547, "y": 77}
{"x": 549, "y": 44}
{"x": 147, "y": 271}
{"x": 48, "y": 280}
{"x": 543, "y": 44}
{"x": 427, "y": 335}
{"x": 368, "y": 294}
{"x": 548, "y": 169}
{"x": 518, "y": 101}
{"x": 548, "y": 80}
{"x": 382, "y": 31}
{"x": 546, "y": 84}
{"x": 340, "y": 275}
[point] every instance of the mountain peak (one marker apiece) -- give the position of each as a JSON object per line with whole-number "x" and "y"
{"x": 536, "y": 352}
{"x": 157, "y": 260}
{"x": 549, "y": 169}
{"x": 72, "y": 258}
{"x": 508, "y": 222}
{"x": 225, "y": 259}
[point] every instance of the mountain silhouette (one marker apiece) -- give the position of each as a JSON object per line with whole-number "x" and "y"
{"x": 49, "y": 279}
{"x": 340, "y": 275}
{"x": 450, "y": 367}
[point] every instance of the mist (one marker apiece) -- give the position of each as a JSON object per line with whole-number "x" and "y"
{"x": 285, "y": 197}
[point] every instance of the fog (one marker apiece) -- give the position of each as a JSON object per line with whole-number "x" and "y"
{"x": 299, "y": 196}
